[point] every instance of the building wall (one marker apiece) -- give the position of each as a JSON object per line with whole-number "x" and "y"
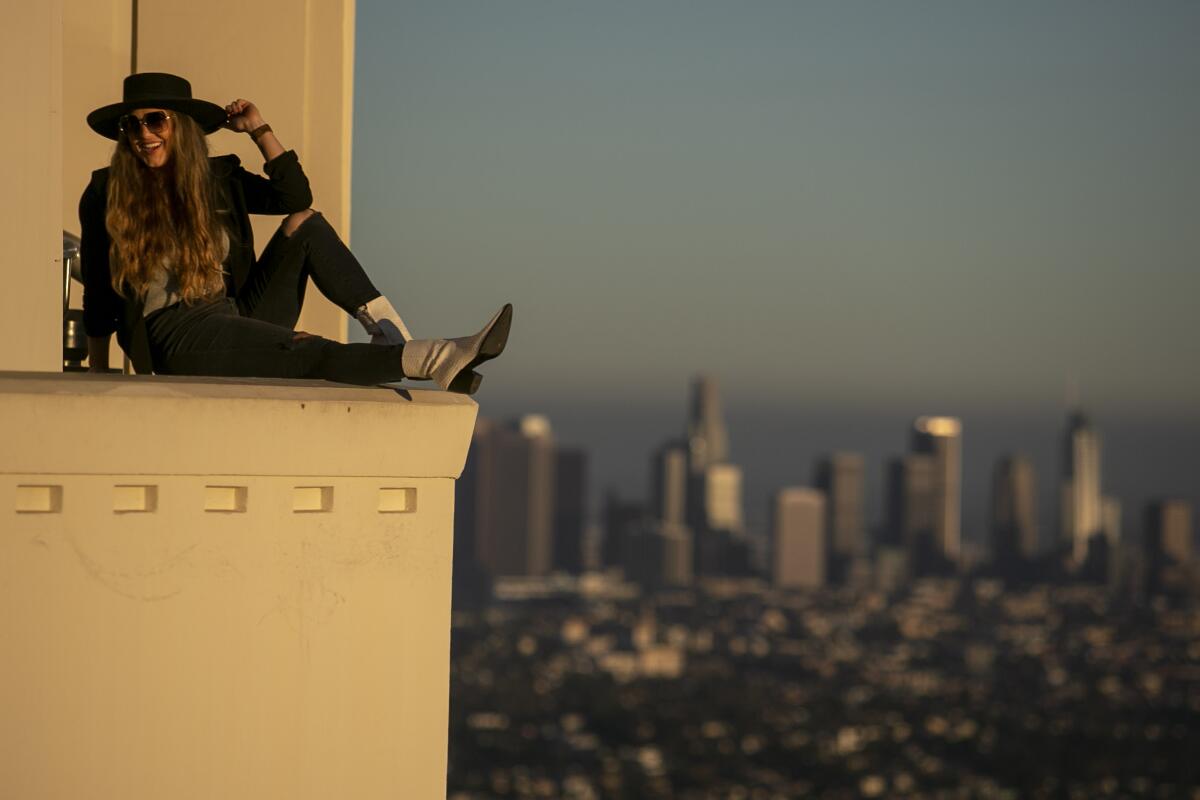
{"x": 237, "y": 590}
{"x": 31, "y": 89}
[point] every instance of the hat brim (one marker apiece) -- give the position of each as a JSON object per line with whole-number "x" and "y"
{"x": 104, "y": 120}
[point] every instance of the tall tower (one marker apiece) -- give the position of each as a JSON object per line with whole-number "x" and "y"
{"x": 941, "y": 438}
{"x": 798, "y": 539}
{"x": 1169, "y": 531}
{"x": 841, "y": 476}
{"x": 1080, "y": 502}
{"x": 1014, "y": 510}
{"x": 911, "y": 498}
{"x": 708, "y": 441}
{"x": 662, "y": 548}
{"x": 668, "y": 483}
{"x": 570, "y": 509}
{"x": 714, "y": 488}
{"x": 506, "y": 516}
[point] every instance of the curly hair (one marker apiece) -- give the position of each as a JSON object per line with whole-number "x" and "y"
{"x": 165, "y": 216}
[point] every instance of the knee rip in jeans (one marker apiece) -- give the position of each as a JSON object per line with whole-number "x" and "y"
{"x": 292, "y": 222}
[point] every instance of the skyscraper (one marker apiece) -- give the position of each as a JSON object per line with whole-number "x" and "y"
{"x": 708, "y": 441}
{"x": 570, "y": 509}
{"x": 723, "y": 498}
{"x": 660, "y": 555}
{"x": 798, "y": 539}
{"x": 506, "y": 517}
{"x": 841, "y": 477}
{"x": 1080, "y": 501}
{"x": 668, "y": 483}
{"x": 1169, "y": 531}
{"x": 911, "y": 502}
{"x": 941, "y": 438}
{"x": 714, "y": 488}
{"x": 622, "y": 520}
{"x": 1014, "y": 510}
{"x": 663, "y": 546}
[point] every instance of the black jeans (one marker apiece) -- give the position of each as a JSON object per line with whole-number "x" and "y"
{"x": 253, "y": 336}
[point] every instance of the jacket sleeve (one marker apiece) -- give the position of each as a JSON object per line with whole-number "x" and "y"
{"x": 103, "y": 308}
{"x": 283, "y": 191}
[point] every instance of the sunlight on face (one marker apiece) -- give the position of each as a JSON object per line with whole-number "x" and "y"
{"x": 149, "y": 131}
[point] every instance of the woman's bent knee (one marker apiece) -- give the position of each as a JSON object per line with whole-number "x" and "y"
{"x": 293, "y": 221}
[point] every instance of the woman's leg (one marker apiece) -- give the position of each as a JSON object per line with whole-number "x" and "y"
{"x": 304, "y": 246}
{"x": 213, "y": 339}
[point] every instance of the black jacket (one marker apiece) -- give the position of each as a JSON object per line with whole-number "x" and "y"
{"x": 241, "y": 193}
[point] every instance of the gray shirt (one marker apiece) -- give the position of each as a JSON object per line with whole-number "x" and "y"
{"x": 163, "y": 288}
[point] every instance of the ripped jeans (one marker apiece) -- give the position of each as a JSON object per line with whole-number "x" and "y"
{"x": 253, "y": 335}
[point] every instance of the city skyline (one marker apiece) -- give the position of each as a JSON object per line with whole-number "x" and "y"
{"x": 1128, "y": 476}
{"x": 694, "y": 492}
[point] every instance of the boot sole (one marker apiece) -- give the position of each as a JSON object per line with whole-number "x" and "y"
{"x": 495, "y": 338}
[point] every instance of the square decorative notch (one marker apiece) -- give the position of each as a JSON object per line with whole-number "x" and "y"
{"x": 225, "y": 499}
{"x": 397, "y": 500}
{"x": 39, "y": 500}
{"x": 135, "y": 499}
{"x": 312, "y": 499}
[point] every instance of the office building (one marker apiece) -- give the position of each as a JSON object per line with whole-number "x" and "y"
{"x": 841, "y": 477}
{"x": 713, "y": 490}
{"x": 910, "y": 501}
{"x": 798, "y": 539}
{"x": 1014, "y": 510}
{"x": 660, "y": 555}
{"x": 707, "y": 439}
{"x": 506, "y": 498}
{"x": 668, "y": 483}
{"x": 1080, "y": 500}
{"x": 941, "y": 439}
{"x": 622, "y": 520}
{"x": 1169, "y": 531}
{"x": 570, "y": 509}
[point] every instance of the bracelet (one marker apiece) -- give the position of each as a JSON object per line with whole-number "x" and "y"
{"x": 260, "y": 131}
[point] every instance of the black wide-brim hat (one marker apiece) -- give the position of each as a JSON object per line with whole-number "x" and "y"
{"x": 156, "y": 90}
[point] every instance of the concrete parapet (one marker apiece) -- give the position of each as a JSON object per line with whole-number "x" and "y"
{"x": 225, "y": 588}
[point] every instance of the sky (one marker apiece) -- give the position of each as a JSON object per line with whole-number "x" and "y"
{"x": 850, "y": 213}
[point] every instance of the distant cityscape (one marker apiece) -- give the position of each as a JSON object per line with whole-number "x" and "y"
{"x": 523, "y": 503}
{"x": 671, "y": 652}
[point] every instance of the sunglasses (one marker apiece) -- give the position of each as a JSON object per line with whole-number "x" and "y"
{"x": 155, "y": 122}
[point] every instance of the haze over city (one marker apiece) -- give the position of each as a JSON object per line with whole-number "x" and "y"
{"x": 850, "y": 214}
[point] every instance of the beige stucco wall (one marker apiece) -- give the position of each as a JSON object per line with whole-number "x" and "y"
{"x": 31, "y": 179}
{"x": 235, "y": 590}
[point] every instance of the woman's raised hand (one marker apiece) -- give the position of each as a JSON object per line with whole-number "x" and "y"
{"x": 243, "y": 116}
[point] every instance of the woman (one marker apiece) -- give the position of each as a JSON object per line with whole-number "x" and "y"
{"x": 169, "y": 263}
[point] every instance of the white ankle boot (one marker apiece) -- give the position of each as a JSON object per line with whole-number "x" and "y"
{"x": 450, "y": 363}
{"x": 380, "y": 319}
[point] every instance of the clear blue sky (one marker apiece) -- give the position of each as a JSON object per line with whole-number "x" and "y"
{"x": 840, "y": 209}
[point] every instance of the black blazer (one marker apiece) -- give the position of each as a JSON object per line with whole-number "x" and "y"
{"x": 240, "y": 194}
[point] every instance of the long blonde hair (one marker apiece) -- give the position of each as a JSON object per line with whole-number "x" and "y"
{"x": 165, "y": 215}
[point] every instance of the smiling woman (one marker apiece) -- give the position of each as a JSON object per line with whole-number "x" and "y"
{"x": 170, "y": 266}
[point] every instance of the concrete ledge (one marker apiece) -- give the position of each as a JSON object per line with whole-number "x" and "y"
{"x": 234, "y": 589}
{"x": 83, "y": 423}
